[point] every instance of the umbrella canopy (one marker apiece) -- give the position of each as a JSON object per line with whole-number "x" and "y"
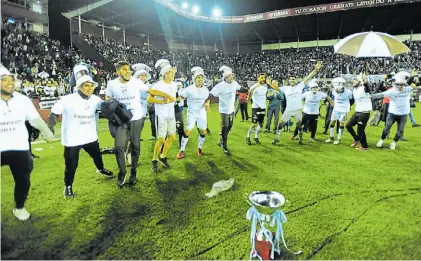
{"x": 371, "y": 44}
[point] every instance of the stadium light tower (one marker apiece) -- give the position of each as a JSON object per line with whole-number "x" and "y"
{"x": 185, "y": 5}
{"x": 217, "y": 12}
{"x": 195, "y": 9}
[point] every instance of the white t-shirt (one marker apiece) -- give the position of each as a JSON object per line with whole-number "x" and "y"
{"x": 226, "y": 93}
{"x": 362, "y": 100}
{"x": 399, "y": 100}
{"x": 128, "y": 93}
{"x": 144, "y": 100}
{"x": 196, "y": 98}
{"x": 259, "y": 96}
{"x": 342, "y": 101}
{"x": 312, "y": 102}
{"x": 293, "y": 96}
{"x": 79, "y": 122}
{"x": 165, "y": 110}
{"x": 13, "y": 114}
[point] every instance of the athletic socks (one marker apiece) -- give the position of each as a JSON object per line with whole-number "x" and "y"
{"x": 258, "y": 129}
{"x": 184, "y": 141}
{"x": 341, "y": 130}
{"x": 201, "y": 142}
{"x": 249, "y": 131}
{"x": 332, "y": 132}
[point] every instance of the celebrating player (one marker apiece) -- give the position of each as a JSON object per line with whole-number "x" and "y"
{"x": 196, "y": 96}
{"x": 341, "y": 108}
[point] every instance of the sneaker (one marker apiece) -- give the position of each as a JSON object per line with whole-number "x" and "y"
{"x": 121, "y": 179}
{"x": 248, "y": 141}
{"x": 132, "y": 179}
{"x": 152, "y": 138}
{"x": 336, "y": 142}
{"x": 21, "y": 214}
{"x": 68, "y": 192}
{"x": 329, "y": 140}
{"x": 164, "y": 162}
{"x": 361, "y": 148}
{"x": 226, "y": 151}
{"x": 199, "y": 152}
{"x": 180, "y": 155}
{"x": 393, "y": 145}
{"x": 355, "y": 143}
{"x": 257, "y": 140}
{"x": 379, "y": 143}
{"x": 106, "y": 173}
{"x": 128, "y": 159}
{"x": 155, "y": 165}
{"x": 275, "y": 141}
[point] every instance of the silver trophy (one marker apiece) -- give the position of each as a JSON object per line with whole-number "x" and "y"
{"x": 266, "y": 224}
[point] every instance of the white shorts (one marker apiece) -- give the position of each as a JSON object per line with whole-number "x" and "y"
{"x": 199, "y": 119}
{"x": 287, "y": 115}
{"x": 165, "y": 126}
{"x": 336, "y": 115}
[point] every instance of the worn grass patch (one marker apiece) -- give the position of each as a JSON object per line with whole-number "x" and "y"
{"x": 342, "y": 204}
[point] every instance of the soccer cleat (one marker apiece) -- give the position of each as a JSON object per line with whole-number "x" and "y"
{"x": 164, "y": 162}
{"x": 355, "y": 143}
{"x": 257, "y": 140}
{"x": 275, "y": 141}
{"x": 21, "y": 214}
{"x": 336, "y": 142}
{"x": 329, "y": 140}
{"x": 393, "y": 145}
{"x": 155, "y": 165}
{"x": 106, "y": 173}
{"x": 199, "y": 152}
{"x": 180, "y": 155}
{"x": 248, "y": 141}
{"x": 68, "y": 192}
{"x": 379, "y": 143}
{"x": 361, "y": 148}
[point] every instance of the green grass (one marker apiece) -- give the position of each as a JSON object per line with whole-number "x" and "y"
{"x": 342, "y": 204}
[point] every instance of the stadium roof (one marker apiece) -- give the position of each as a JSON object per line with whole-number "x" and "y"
{"x": 161, "y": 23}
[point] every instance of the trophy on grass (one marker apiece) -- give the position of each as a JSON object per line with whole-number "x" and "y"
{"x": 266, "y": 224}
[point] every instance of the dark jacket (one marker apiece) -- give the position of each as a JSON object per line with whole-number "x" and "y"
{"x": 116, "y": 114}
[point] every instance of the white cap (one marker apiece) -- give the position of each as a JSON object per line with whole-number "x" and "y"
{"x": 81, "y": 73}
{"x": 5, "y": 72}
{"x": 313, "y": 83}
{"x": 400, "y": 78}
{"x": 141, "y": 68}
{"x": 338, "y": 80}
{"x": 197, "y": 71}
{"x": 402, "y": 74}
{"x": 226, "y": 71}
{"x": 163, "y": 66}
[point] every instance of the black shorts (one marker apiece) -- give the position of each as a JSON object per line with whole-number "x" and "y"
{"x": 258, "y": 115}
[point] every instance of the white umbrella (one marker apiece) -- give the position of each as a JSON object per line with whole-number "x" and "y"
{"x": 371, "y": 44}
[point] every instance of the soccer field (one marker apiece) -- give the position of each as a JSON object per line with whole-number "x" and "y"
{"x": 342, "y": 203}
